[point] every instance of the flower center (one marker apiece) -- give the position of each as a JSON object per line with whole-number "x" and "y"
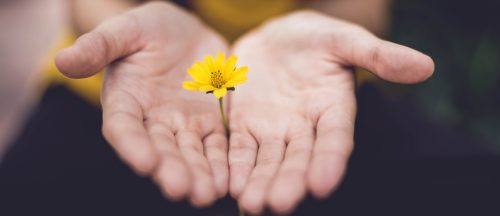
{"x": 216, "y": 78}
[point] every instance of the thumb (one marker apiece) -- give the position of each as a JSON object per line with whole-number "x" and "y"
{"x": 387, "y": 60}
{"x": 113, "y": 39}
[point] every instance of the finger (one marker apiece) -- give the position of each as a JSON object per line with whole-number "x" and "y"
{"x": 269, "y": 157}
{"x": 289, "y": 186}
{"x": 333, "y": 145}
{"x": 242, "y": 155}
{"x": 173, "y": 174}
{"x": 387, "y": 60}
{"x": 123, "y": 128}
{"x": 203, "y": 192}
{"x": 216, "y": 153}
{"x": 114, "y": 38}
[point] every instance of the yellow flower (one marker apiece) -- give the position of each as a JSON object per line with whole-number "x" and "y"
{"x": 216, "y": 76}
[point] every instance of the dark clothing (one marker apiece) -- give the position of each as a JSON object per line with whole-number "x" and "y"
{"x": 61, "y": 165}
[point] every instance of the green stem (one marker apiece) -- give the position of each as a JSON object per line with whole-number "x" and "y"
{"x": 226, "y": 128}
{"x": 224, "y": 119}
{"x": 242, "y": 213}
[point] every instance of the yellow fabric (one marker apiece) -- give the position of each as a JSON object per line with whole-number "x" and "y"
{"x": 234, "y": 17}
{"x": 363, "y": 76}
{"x": 88, "y": 88}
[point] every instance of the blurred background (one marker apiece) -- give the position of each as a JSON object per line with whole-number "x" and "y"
{"x": 427, "y": 149}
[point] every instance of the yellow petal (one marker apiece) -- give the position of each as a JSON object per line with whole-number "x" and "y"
{"x": 220, "y": 92}
{"x": 230, "y": 66}
{"x": 235, "y": 81}
{"x": 242, "y": 71}
{"x": 193, "y": 86}
{"x": 202, "y": 67}
{"x": 238, "y": 76}
{"x": 219, "y": 61}
{"x": 207, "y": 88}
{"x": 199, "y": 76}
{"x": 209, "y": 61}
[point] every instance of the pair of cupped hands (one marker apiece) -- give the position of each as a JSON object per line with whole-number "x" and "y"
{"x": 291, "y": 124}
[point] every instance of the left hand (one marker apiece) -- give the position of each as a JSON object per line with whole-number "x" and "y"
{"x": 157, "y": 128}
{"x": 292, "y": 124}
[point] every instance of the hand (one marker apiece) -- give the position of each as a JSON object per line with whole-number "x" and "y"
{"x": 158, "y": 128}
{"x": 292, "y": 123}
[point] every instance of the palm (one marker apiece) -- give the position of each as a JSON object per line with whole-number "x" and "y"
{"x": 178, "y": 123}
{"x": 292, "y": 125}
{"x": 290, "y": 90}
{"x": 158, "y": 128}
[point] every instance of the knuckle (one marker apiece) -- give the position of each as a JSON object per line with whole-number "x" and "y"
{"x": 376, "y": 58}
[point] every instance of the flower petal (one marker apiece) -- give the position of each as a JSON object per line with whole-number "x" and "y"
{"x": 209, "y": 61}
{"x": 202, "y": 67}
{"x": 198, "y": 75}
{"x": 230, "y": 66}
{"x": 193, "y": 86}
{"x": 235, "y": 81}
{"x": 219, "y": 62}
{"x": 207, "y": 88}
{"x": 220, "y": 92}
{"x": 242, "y": 71}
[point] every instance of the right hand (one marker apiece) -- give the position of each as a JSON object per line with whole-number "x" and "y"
{"x": 292, "y": 123}
{"x": 156, "y": 127}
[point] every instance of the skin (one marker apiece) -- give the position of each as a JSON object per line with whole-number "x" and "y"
{"x": 173, "y": 135}
{"x": 292, "y": 123}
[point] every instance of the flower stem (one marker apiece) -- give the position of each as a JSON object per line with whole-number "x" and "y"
{"x": 242, "y": 213}
{"x": 226, "y": 128}
{"x": 224, "y": 119}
